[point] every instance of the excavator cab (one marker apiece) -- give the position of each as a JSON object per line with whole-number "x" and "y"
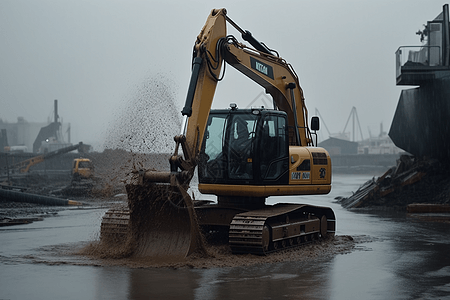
{"x": 248, "y": 146}
{"x": 82, "y": 168}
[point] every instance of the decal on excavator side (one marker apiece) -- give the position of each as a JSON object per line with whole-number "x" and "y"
{"x": 300, "y": 175}
{"x": 261, "y": 67}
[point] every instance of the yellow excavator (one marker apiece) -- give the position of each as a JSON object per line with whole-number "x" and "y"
{"x": 82, "y": 168}
{"x": 25, "y": 165}
{"x": 242, "y": 156}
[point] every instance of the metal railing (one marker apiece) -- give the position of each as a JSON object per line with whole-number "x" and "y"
{"x": 417, "y": 56}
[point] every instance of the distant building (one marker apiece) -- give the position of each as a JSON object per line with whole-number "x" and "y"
{"x": 378, "y": 145}
{"x": 22, "y": 133}
{"x": 336, "y": 146}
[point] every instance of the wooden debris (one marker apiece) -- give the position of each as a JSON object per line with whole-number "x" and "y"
{"x": 397, "y": 186}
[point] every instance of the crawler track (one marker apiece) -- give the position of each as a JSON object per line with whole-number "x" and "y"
{"x": 279, "y": 227}
{"x": 114, "y": 227}
{"x": 260, "y": 232}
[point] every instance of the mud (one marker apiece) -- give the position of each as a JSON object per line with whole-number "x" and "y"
{"x": 25, "y": 213}
{"x": 160, "y": 235}
{"x": 141, "y": 136}
{"x": 162, "y": 221}
{"x": 114, "y": 169}
{"x": 148, "y": 120}
{"x": 219, "y": 256}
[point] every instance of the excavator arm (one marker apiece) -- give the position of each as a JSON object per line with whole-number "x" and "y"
{"x": 278, "y": 78}
{"x": 212, "y": 48}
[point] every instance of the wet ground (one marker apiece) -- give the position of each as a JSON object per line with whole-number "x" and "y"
{"x": 394, "y": 256}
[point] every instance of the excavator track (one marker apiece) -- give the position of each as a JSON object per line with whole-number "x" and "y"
{"x": 278, "y": 227}
{"x": 259, "y": 232}
{"x": 115, "y": 222}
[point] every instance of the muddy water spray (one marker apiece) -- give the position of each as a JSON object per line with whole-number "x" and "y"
{"x": 141, "y": 135}
{"x": 160, "y": 221}
{"x": 149, "y": 121}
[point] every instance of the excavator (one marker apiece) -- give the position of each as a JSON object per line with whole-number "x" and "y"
{"x": 243, "y": 156}
{"x": 25, "y": 165}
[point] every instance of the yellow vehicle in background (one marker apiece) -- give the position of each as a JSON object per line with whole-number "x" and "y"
{"x": 82, "y": 169}
{"x": 25, "y": 165}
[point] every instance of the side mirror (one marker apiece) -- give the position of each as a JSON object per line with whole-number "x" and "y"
{"x": 315, "y": 123}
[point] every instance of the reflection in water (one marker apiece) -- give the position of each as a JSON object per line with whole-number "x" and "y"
{"x": 401, "y": 260}
{"x": 209, "y": 283}
{"x": 112, "y": 283}
{"x": 293, "y": 280}
{"x": 423, "y": 257}
{"x": 162, "y": 284}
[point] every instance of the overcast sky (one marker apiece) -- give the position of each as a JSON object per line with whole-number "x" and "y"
{"x": 95, "y": 56}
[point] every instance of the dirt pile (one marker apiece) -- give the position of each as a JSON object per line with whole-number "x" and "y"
{"x": 411, "y": 181}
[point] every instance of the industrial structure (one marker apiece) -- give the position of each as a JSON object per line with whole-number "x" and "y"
{"x": 37, "y": 137}
{"x": 421, "y": 121}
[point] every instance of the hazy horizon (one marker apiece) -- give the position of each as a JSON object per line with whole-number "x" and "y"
{"x": 95, "y": 57}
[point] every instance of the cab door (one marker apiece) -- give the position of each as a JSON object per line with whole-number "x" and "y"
{"x": 274, "y": 150}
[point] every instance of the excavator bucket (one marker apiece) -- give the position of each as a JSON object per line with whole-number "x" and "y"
{"x": 162, "y": 221}
{"x": 158, "y": 223}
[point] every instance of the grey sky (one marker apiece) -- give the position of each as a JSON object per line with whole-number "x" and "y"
{"x": 93, "y": 56}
